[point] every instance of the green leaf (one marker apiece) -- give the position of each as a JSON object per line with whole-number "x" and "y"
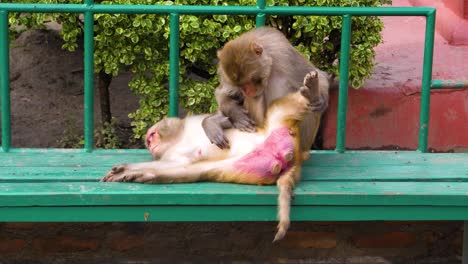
{"x": 135, "y": 38}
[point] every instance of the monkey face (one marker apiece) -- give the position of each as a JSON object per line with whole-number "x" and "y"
{"x": 153, "y": 139}
{"x": 251, "y": 85}
{"x": 243, "y": 66}
{"x": 161, "y": 135}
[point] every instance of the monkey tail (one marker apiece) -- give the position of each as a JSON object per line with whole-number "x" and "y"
{"x": 285, "y": 186}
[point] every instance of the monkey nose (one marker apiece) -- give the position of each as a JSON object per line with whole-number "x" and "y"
{"x": 148, "y": 138}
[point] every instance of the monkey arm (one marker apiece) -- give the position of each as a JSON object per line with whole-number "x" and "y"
{"x": 143, "y": 166}
{"x": 230, "y": 102}
{"x": 230, "y": 114}
{"x": 213, "y": 126}
{"x": 200, "y": 171}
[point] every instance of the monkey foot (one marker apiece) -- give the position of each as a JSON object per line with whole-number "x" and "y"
{"x": 318, "y": 101}
{"x": 310, "y": 78}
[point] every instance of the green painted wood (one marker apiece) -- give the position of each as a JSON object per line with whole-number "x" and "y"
{"x": 60, "y": 185}
{"x": 385, "y": 166}
{"x": 69, "y": 160}
{"x": 328, "y": 159}
{"x": 307, "y": 193}
{"x": 309, "y": 173}
{"x": 384, "y": 158}
{"x": 227, "y": 213}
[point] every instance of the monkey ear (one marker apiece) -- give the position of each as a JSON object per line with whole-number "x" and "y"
{"x": 218, "y": 53}
{"x": 163, "y": 127}
{"x": 257, "y": 48}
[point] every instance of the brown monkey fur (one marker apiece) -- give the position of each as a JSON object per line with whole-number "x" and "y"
{"x": 255, "y": 69}
{"x": 184, "y": 154}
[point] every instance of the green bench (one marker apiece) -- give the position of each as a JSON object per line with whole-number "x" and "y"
{"x": 63, "y": 185}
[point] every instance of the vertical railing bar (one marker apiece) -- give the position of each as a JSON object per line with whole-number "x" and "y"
{"x": 174, "y": 65}
{"x": 5, "y": 81}
{"x": 343, "y": 89}
{"x": 88, "y": 78}
{"x": 426, "y": 82}
{"x": 260, "y": 19}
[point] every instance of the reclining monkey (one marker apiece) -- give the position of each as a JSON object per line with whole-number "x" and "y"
{"x": 271, "y": 155}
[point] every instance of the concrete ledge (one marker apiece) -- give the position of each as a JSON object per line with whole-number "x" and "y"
{"x": 384, "y": 113}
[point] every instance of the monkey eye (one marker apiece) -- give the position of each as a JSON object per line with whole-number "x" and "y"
{"x": 256, "y": 80}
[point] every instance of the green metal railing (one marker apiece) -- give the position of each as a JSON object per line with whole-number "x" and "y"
{"x": 260, "y": 11}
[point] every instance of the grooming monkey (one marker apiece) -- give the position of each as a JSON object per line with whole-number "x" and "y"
{"x": 270, "y": 155}
{"x": 255, "y": 69}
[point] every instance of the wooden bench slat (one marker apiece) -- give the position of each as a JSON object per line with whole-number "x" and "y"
{"x": 354, "y": 159}
{"x": 309, "y": 173}
{"x": 387, "y": 173}
{"x": 179, "y": 213}
{"x": 386, "y": 158}
{"x": 307, "y": 193}
{"x": 69, "y": 159}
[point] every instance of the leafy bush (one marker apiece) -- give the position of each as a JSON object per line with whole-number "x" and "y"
{"x": 140, "y": 43}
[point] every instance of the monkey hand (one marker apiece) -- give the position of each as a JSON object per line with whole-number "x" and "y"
{"x": 241, "y": 120}
{"x": 121, "y": 173}
{"x": 214, "y": 131}
{"x": 115, "y": 174}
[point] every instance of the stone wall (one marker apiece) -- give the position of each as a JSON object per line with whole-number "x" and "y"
{"x": 240, "y": 242}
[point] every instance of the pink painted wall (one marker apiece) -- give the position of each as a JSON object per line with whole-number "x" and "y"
{"x": 452, "y": 19}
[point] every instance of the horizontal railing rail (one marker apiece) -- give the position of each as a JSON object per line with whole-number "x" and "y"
{"x": 88, "y": 8}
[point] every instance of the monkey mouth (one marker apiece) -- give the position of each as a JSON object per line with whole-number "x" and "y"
{"x": 248, "y": 91}
{"x": 154, "y": 149}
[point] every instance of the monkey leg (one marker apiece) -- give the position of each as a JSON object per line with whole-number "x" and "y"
{"x": 270, "y": 158}
{"x": 310, "y": 124}
{"x": 285, "y": 185}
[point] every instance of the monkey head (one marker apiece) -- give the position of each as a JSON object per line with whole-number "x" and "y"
{"x": 245, "y": 64}
{"x": 162, "y": 134}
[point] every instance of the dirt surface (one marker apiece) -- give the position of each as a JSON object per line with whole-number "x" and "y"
{"x": 47, "y": 92}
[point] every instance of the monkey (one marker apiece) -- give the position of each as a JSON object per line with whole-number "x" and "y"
{"x": 270, "y": 155}
{"x": 255, "y": 69}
